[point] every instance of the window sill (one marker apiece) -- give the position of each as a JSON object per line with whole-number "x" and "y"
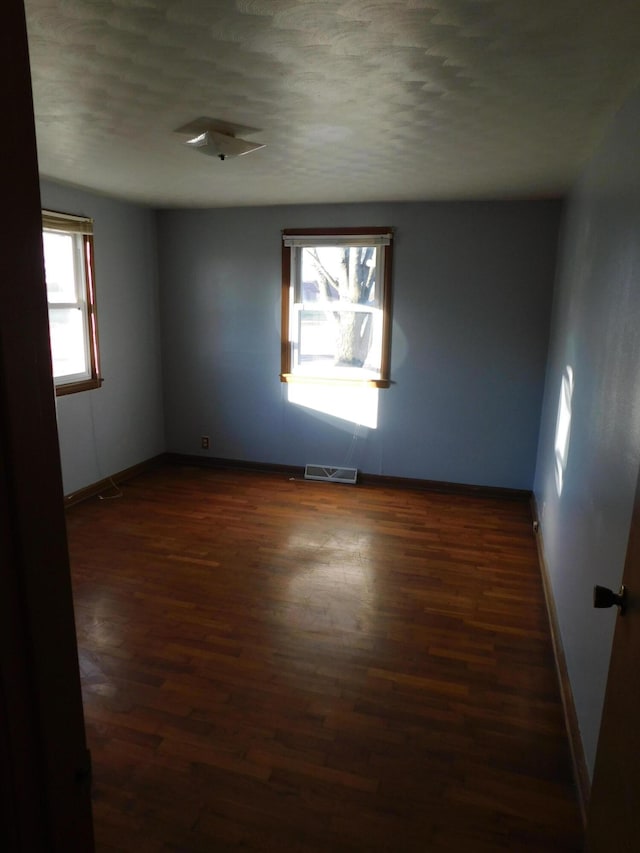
{"x": 76, "y": 387}
{"x": 333, "y": 380}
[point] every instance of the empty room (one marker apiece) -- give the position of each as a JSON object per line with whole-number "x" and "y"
{"x": 320, "y": 426}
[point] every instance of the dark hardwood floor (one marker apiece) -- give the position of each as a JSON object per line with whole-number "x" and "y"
{"x": 276, "y": 665}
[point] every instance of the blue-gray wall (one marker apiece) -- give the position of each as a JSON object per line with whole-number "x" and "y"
{"x": 120, "y": 424}
{"x": 585, "y": 516}
{"x": 472, "y": 294}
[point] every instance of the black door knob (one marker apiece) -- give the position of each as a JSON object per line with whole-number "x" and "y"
{"x": 605, "y": 597}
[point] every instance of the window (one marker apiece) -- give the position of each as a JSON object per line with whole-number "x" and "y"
{"x": 336, "y": 305}
{"x": 73, "y": 328}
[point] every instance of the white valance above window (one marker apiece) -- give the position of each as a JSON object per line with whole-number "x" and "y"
{"x": 300, "y": 241}
{"x": 67, "y": 222}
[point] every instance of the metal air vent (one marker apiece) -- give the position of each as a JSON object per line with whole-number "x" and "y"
{"x": 331, "y": 475}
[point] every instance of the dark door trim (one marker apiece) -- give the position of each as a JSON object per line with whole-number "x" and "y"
{"x": 46, "y": 801}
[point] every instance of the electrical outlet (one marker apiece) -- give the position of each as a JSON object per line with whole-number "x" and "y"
{"x": 204, "y": 442}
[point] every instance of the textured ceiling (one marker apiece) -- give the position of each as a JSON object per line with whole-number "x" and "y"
{"x": 357, "y": 100}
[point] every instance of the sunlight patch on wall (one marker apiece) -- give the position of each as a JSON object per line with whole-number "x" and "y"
{"x": 563, "y": 427}
{"x": 354, "y": 403}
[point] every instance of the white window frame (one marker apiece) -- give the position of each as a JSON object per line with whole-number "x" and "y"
{"x": 293, "y": 306}
{"x": 80, "y": 229}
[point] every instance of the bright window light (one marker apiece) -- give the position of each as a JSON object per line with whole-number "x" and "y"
{"x": 68, "y": 258}
{"x": 336, "y": 304}
{"x": 563, "y": 427}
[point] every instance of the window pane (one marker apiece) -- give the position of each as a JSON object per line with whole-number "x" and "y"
{"x": 66, "y": 327}
{"x": 59, "y": 266}
{"x": 339, "y": 273}
{"x": 341, "y": 338}
{"x": 317, "y": 338}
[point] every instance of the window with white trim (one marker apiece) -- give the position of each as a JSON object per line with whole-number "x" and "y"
{"x": 73, "y": 324}
{"x": 336, "y": 305}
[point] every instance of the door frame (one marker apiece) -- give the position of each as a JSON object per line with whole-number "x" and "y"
{"x": 46, "y": 802}
{"x": 613, "y": 818}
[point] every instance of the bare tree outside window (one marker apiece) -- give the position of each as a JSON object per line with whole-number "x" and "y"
{"x": 347, "y": 276}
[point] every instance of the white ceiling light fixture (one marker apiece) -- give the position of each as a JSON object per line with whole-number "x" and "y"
{"x": 219, "y": 138}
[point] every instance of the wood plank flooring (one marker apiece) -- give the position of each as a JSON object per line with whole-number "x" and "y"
{"x": 278, "y": 665}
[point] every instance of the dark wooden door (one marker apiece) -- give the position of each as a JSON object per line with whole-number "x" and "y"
{"x": 45, "y": 802}
{"x": 614, "y": 810}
